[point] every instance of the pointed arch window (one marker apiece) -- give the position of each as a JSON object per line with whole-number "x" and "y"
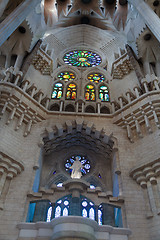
{"x": 90, "y": 93}
{"x": 88, "y": 208}
{"x": 57, "y": 91}
{"x": 104, "y": 93}
{"x": 71, "y": 93}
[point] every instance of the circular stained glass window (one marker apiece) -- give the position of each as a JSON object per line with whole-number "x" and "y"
{"x": 86, "y": 167}
{"x": 96, "y": 77}
{"x": 82, "y": 58}
{"x": 66, "y": 76}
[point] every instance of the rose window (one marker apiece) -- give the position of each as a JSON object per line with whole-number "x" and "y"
{"x": 82, "y": 58}
{"x": 86, "y": 167}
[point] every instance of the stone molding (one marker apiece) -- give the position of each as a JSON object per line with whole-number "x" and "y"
{"x": 10, "y": 166}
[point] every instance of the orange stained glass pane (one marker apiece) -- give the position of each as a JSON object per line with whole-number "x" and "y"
{"x": 87, "y": 96}
{"x": 73, "y": 95}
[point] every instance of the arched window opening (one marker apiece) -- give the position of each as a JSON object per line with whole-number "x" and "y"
{"x": 49, "y": 214}
{"x": 62, "y": 207}
{"x": 57, "y": 91}
{"x": 105, "y": 110}
{"x": 90, "y": 93}
{"x": 87, "y": 208}
{"x": 54, "y": 107}
{"x": 69, "y": 108}
{"x": 104, "y": 93}
{"x": 90, "y": 109}
{"x": 71, "y": 93}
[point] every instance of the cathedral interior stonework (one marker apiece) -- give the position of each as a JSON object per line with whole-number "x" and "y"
{"x": 80, "y": 120}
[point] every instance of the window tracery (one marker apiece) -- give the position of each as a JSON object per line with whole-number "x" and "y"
{"x": 71, "y": 93}
{"x": 90, "y": 93}
{"x": 96, "y": 78}
{"x": 66, "y": 76}
{"x": 104, "y": 93}
{"x": 82, "y": 58}
{"x": 57, "y": 91}
{"x": 84, "y": 161}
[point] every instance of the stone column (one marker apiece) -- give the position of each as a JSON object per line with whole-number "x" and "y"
{"x": 155, "y": 81}
{"x": 19, "y": 74}
{"x": 121, "y": 101}
{"x": 61, "y": 105}
{"x": 150, "y": 17}
{"x": 136, "y": 91}
{"x": 47, "y": 103}
{"x": 128, "y": 97}
{"x": 113, "y": 106}
{"x": 10, "y": 24}
{"x": 145, "y": 86}
{"x": 26, "y": 83}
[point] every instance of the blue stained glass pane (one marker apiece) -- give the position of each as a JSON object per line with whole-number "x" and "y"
{"x": 84, "y": 204}
{"x": 83, "y": 161}
{"x": 67, "y": 165}
{"x": 65, "y": 212}
{"x": 66, "y": 202}
{"x": 99, "y": 217}
{"x": 92, "y": 214}
{"x": 84, "y": 213}
{"x": 49, "y": 213}
{"x": 58, "y": 212}
{"x": 87, "y": 166}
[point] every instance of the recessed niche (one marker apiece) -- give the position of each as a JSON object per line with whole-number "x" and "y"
{"x": 147, "y": 37}
{"x": 86, "y": 1}
{"x": 22, "y": 30}
{"x": 85, "y": 20}
{"x": 156, "y": 3}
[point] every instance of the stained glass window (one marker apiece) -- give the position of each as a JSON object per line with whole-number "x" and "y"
{"x": 84, "y": 213}
{"x": 57, "y": 91}
{"x": 88, "y": 208}
{"x": 62, "y": 207}
{"x": 58, "y": 212}
{"x": 99, "y": 216}
{"x": 49, "y": 214}
{"x": 90, "y": 93}
{"x": 92, "y": 213}
{"x": 84, "y": 161}
{"x": 71, "y": 92}
{"x": 104, "y": 93}
{"x": 82, "y": 58}
{"x": 66, "y": 76}
{"x": 96, "y": 77}
{"x": 65, "y": 212}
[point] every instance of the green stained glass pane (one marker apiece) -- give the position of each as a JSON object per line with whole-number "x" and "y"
{"x": 82, "y": 58}
{"x": 57, "y": 91}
